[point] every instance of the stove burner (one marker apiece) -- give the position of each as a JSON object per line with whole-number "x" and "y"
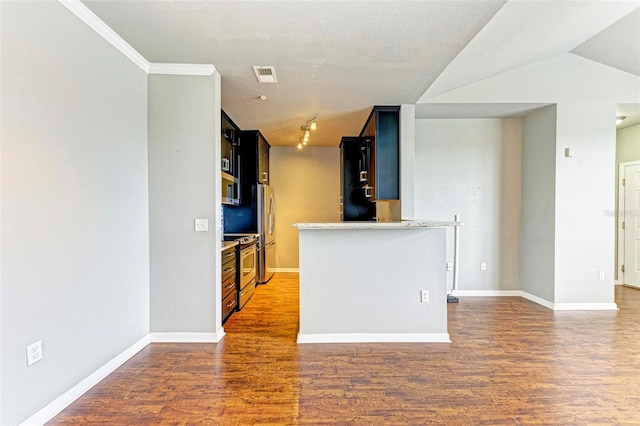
{"x": 242, "y": 239}
{"x": 246, "y": 240}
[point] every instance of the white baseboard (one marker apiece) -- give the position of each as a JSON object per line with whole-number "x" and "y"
{"x": 571, "y": 306}
{"x": 585, "y": 307}
{"x": 374, "y": 338}
{"x": 187, "y": 337}
{"x": 64, "y": 400}
{"x": 485, "y": 293}
{"x": 286, "y": 270}
{"x": 538, "y": 300}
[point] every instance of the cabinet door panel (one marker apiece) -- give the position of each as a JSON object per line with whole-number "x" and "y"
{"x": 263, "y": 161}
{"x": 386, "y": 156}
{"x": 355, "y": 205}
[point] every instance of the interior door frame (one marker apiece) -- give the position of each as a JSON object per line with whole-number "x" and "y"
{"x": 620, "y": 218}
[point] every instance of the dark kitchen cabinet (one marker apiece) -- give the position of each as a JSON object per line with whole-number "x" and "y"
{"x": 254, "y": 169}
{"x": 230, "y": 158}
{"x": 255, "y": 156}
{"x": 369, "y": 165}
{"x": 229, "y": 280}
{"x": 263, "y": 159}
{"x": 382, "y": 135}
{"x": 355, "y": 205}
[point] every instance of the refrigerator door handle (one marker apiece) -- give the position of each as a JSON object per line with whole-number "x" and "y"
{"x": 272, "y": 214}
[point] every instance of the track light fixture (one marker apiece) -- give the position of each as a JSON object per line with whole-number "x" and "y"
{"x": 309, "y": 124}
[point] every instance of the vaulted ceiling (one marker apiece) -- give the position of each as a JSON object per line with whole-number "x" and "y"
{"x": 336, "y": 59}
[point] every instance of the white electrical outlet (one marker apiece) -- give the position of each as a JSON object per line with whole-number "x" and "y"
{"x": 201, "y": 225}
{"x": 449, "y": 266}
{"x": 424, "y": 296}
{"x": 483, "y": 266}
{"x": 601, "y": 275}
{"x": 34, "y": 352}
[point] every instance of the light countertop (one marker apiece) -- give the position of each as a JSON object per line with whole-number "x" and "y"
{"x": 404, "y": 224}
{"x": 227, "y": 244}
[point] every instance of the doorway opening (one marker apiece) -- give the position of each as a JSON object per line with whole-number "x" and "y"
{"x": 628, "y": 226}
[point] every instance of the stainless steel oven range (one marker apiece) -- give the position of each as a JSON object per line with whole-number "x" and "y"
{"x": 247, "y": 265}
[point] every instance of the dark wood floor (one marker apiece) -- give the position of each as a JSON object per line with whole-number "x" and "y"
{"x": 511, "y": 362}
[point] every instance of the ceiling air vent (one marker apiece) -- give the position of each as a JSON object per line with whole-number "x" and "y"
{"x": 265, "y": 74}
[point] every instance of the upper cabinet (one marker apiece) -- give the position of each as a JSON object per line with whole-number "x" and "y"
{"x": 355, "y": 192}
{"x": 381, "y": 153}
{"x": 230, "y": 159}
{"x": 369, "y": 172}
{"x": 263, "y": 160}
{"x": 230, "y": 146}
{"x": 255, "y": 157}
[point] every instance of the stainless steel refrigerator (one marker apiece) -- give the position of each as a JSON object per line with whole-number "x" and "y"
{"x": 266, "y": 229}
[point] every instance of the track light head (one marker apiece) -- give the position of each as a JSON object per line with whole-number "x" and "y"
{"x": 310, "y": 124}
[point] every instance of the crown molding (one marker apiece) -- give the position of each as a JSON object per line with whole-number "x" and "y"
{"x": 181, "y": 69}
{"x": 88, "y": 17}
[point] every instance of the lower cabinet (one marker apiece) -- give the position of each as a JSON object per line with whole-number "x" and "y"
{"x": 245, "y": 293}
{"x": 229, "y": 285}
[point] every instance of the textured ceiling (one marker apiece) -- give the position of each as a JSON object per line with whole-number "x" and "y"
{"x": 338, "y": 58}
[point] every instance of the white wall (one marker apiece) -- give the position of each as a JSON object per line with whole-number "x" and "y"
{"x": 585, "y": 185}
{"x": 585, "y": 92}
{"x": 471, "y": 167}
{"x": 628, "y": 144}
{"x": 74, "y": 266}
{"x": 306, "y": 185}
{"x": 372, "y": 273}
{"x": 537, "y": 253}
{"x": 182, "y": 187}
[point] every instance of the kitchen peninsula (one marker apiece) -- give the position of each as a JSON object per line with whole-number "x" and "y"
{"x": 365, "y": 282}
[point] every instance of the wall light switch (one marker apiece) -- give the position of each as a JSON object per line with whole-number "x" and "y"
{"x": 483, "y": 266}
{"x": 201, "y": 225}
{"x": 424, "y": 296}
{"x": 568, "y": 152}
{"x": 449, "y": 266}
{"x": 601, "y": 275}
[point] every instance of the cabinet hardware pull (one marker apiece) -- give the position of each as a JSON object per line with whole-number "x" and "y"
{"x": 230, "y": 304}
{"x": 229, "y": 254}
{"x": 229, "y": 269}
{"x": 230, "y": 285}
